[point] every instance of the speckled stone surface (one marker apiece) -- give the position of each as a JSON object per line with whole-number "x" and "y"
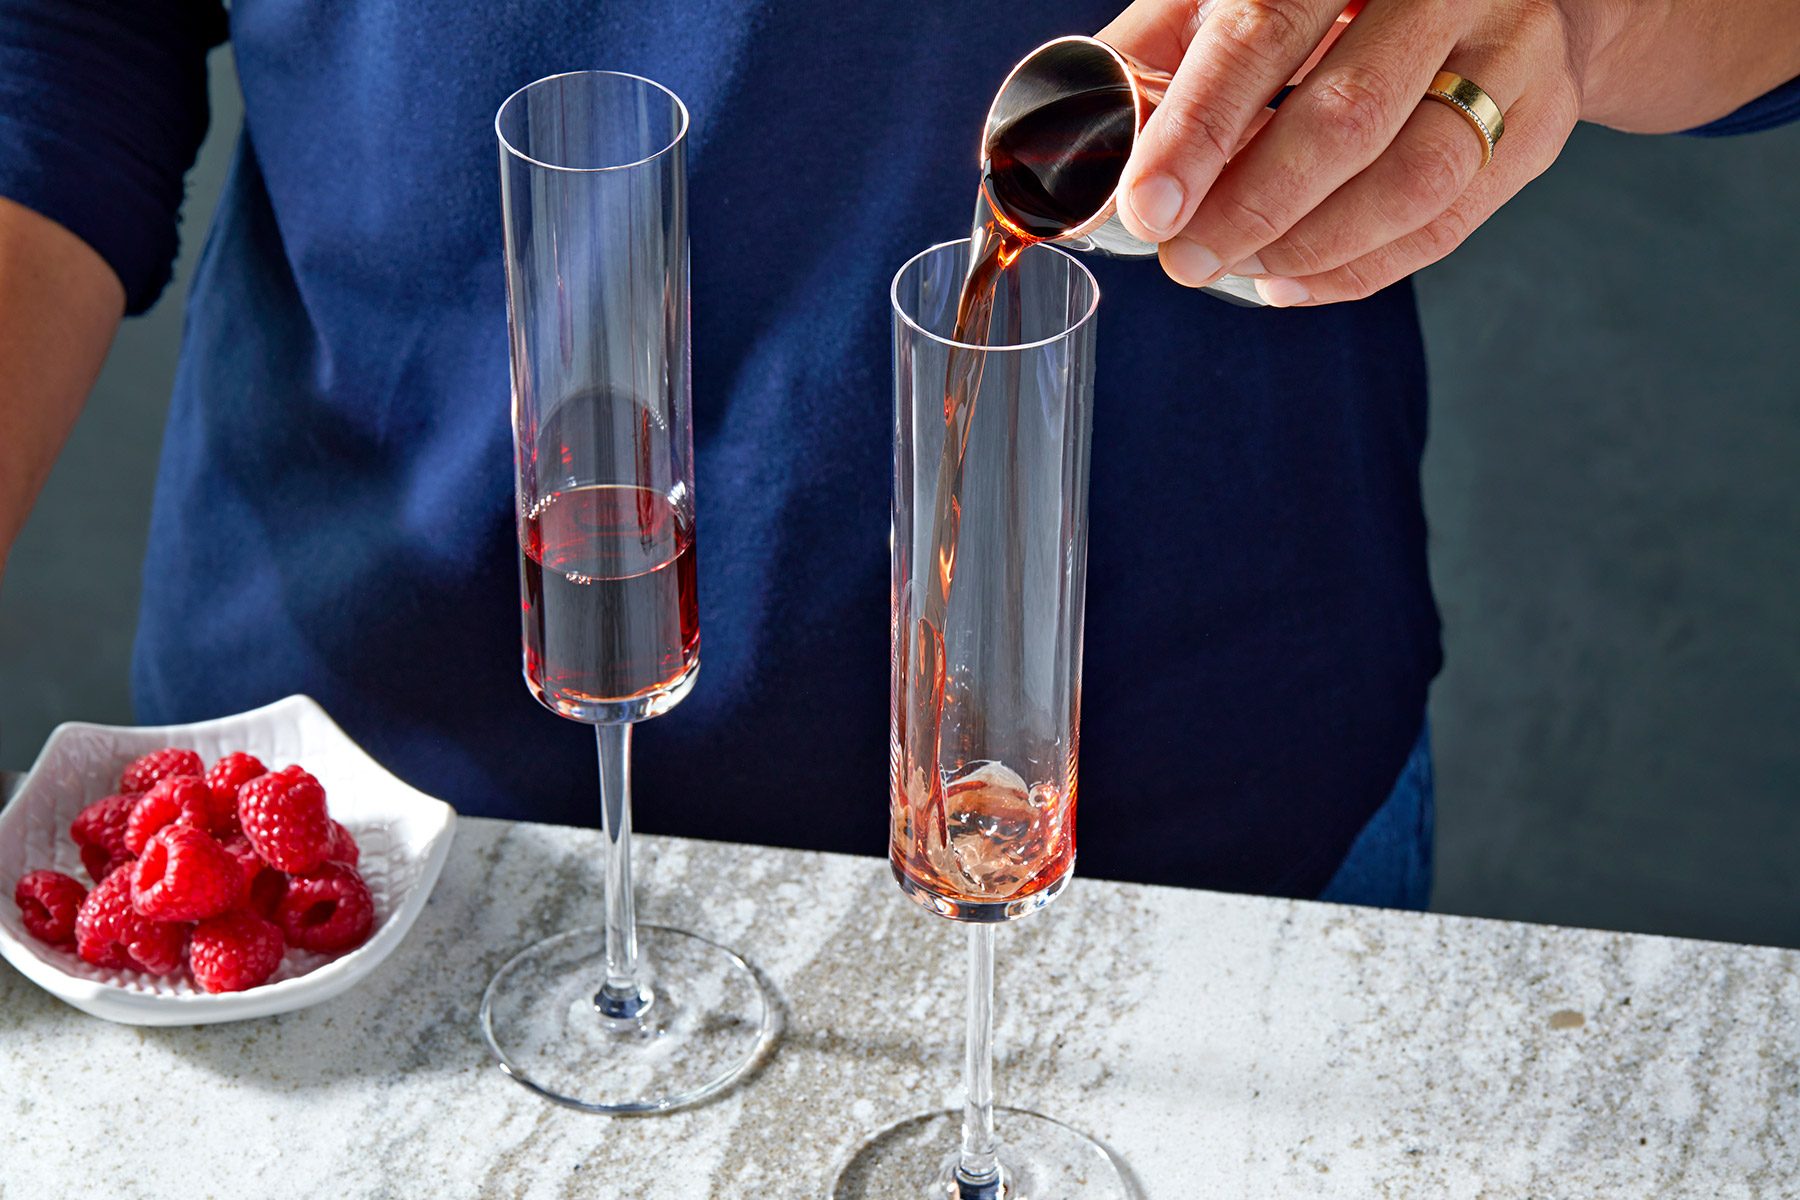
{"x": 1224, "y": 1046}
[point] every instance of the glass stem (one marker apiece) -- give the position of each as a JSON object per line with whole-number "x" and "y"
{"x": 623, "y": 996}
{"x": 978, "y": 1166}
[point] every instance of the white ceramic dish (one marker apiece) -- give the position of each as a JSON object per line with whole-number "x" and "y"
{"x": 404, "y": 836}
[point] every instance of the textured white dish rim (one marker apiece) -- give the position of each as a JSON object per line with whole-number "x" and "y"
{"x": 429, "y": 822}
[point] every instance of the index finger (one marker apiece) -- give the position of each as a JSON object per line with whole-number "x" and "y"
{"x": 1239, "y": 57}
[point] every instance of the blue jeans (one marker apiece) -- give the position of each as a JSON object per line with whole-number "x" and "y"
{"x": 1389, "y": 864}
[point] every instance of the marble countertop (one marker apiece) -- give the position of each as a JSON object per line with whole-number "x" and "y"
{"x": 1223, "y": 1045}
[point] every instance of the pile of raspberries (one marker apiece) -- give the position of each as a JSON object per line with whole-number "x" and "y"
{"x": 218, "y": 870}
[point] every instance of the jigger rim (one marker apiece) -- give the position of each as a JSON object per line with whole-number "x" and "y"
{"x": 680, "y": 134}
{"x": 1070, "y": 328}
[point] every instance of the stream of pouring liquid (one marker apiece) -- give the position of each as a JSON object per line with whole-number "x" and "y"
{"x": 994, "y": 251}
{"x": 1045, "y": 169}
{"x": 1000, "y": 833}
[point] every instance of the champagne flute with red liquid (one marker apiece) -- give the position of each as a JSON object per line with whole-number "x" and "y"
{"x": 993, "y": 391}
{"x": 619, "y": 1017}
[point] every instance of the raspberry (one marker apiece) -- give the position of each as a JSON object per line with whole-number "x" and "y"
{"x": 48, "y": 902}
{"x": 284, "y": 816}
{"x": 343, "y": 846}
{"x": 263, "y": 883}
{"x": 184, "y": 875}
{"x": 236, "y": 951}
{"x": 146, "y": 772}
{"x": 239, "y": 847}
{"x": 100, "y": 832}
{"x": 225, "y": 777}
{"x": 110, "y": 933}
{"x": 329, "y": 910}
{"x": 175, "y": 800}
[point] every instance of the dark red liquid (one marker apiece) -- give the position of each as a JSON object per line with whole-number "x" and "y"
{"x": 1054, "y": 167}
{"x": 611, "y": 611}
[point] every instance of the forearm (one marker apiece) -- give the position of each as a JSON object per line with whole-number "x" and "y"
{"x": 1671, "y": 65}
{"x": 59, "y": 307}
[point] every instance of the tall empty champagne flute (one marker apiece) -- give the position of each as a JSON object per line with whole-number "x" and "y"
{"x": 993, "y": 389}
{"x": 618, "y": 1017}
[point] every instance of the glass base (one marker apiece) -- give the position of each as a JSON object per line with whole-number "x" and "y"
{"x": 1040, "y": 1159}
{"x": 707, "y": 1021}
{"x": 980, "y": 912}
{"x": 609, "y": 710}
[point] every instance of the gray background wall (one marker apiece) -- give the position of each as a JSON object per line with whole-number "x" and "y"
{"x": 1613, "y": 483}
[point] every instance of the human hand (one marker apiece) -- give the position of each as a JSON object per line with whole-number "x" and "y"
{"x": 1357, "y": 180}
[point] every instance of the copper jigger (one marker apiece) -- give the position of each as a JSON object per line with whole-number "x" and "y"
{"x": 1075, "y": 65}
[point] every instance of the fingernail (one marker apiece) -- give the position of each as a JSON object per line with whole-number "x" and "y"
{"x": 1189, "y": 263}
{"x": 1156, "y": 199}
{"x": 1250, "y": 266}
{"x": 1282, "y": 292}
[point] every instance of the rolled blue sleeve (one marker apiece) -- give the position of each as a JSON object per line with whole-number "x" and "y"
{"x": 102, "y": 110}
{"x": 1765, "y": 112}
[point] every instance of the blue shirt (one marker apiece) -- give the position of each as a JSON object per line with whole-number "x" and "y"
{"x": 334, "y": 513}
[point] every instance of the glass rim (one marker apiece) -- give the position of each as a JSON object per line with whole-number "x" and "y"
{"x": 680, "y": 135}
{"x": 900, "y": 309}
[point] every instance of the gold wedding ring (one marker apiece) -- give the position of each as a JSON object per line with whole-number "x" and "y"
{"x": 1476, "y": 106}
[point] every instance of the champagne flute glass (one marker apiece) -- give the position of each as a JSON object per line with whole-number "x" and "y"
{"x": 618, "y": 1018}
{"x": 992, "y": 415}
